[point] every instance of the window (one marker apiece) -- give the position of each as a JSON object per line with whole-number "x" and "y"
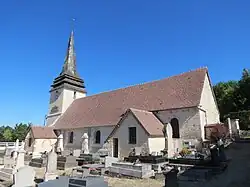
{"x": 74, "y": 97}
{"x": 132, "y": 135}
{"x": 30, "y": 142}
{"x": 98, "y": 137}
{"x": 71, "y": 137}
{"x": 175, "y": 126}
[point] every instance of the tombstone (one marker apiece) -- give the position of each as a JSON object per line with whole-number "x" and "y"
{"x": 229, "y": 127}
{"x": 20, "y": 158}
{"x": 215, "y": 159}
{"x": 144, "y": 150}
{"x": 76, "y": 152}
{"x": 51, "y": 167}
{"x": 171, "y": 178}
{"x": 109, "y": 160}
{"x": 85, "y": 143}
{"x": 64, "y": 181}
{"x": 24, "y": 177}
{"x": 138, "y": 151}
{"x": 60, "y": 143}
{"x": 16, "y": 149}
{"x": 168, "y": 134}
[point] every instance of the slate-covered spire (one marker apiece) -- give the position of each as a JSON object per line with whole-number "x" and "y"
{"x": 69, "y": 66}
{"x": 69, "y": 77}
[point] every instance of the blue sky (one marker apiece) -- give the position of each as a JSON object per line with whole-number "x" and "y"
{"x": 118, "y": 43}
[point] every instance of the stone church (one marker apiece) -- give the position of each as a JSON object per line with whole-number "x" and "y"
{"x": 125, "y": 118}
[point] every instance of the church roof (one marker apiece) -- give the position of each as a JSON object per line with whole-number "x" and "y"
{"x": 149, "y": 122}
{"x": 43, "y": 132}
{"x": 105, "y": 109}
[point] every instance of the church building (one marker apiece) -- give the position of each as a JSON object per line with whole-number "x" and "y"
{"x": 128, "y": 117}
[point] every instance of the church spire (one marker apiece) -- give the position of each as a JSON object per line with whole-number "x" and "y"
{"x": 69, "y": 66}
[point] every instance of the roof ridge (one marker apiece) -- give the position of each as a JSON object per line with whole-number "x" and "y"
{"x": 139, "y": 110}
{"x": 140, "y": 84}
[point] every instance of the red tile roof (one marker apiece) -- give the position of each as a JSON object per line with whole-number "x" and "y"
{"x": 104, "y": 109}
{"x": 43, "y": 132}
{"x": 149, "y": 122}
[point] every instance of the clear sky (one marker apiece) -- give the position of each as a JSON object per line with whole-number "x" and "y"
{"x": 118, "y": 43}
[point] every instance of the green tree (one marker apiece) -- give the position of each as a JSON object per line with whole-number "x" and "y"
{"x": 225, "y": 96}
{"x": 20, "y": 131}
{"x": 8, "y": 134}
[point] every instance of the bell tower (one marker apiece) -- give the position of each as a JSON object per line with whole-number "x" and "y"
{"x": 67, "y": 87}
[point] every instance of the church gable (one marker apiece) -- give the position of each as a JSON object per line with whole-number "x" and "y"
{"x": 145, "y": 120}
{"x": 208, "y": 102}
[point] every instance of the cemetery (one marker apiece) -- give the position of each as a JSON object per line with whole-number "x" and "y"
{"x": 192, "y": 164}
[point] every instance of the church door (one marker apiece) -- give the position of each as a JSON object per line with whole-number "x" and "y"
{"x": 115, "y": 147}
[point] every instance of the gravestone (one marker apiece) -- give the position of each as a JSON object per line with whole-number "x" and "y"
{"x": 85, "y": 143}
{"x": 64, "y": 181}
{"x": 60, "y": 143}
{"x": 109, "y": 160}
{"x": 51, "y": 167}
{"x": 133, "y": 170}
{"x": 171, "y": 178}
{"x": 170, "y": 143}
{"x": 64, "y": 162}
{"x": 16, "y": 149}
{"x": 77, "y": 152}
{"x": 20, "y": 158}
{"x": 24, "y": 177}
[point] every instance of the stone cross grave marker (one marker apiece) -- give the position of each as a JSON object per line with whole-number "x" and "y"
{"x": 24, "y": 177}
{"x": 85, "y": 143}
{"x": 16, "y": 149}
{"x": 51, "y": 167}
{"x": 20, "y": 158}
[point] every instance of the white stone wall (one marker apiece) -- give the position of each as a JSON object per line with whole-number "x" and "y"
{"x": 41, "y": 145}
{"x": 64, "y": 100}
{"x": 68, "y": 98}
{"x": 122, "y": 134}
{"x": 156, "y": 144}
{"x": 77, "y": 141}
{"x": 189, "y": 124}
{"x": 208, "y": 103}
{"x": 189, "y": 121}
{"x": 38, "y": 145}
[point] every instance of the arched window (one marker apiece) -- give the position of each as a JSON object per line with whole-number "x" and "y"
{"x": 30, "y": 142}
{"x": 175, "y": 126}
{"x": 98, "y": 137}
{"x": 71, "y": 137}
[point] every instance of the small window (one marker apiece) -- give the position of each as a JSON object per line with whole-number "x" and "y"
{"x": 71, "y": 137}
{"x": 30, "y": 142}
{"x": 74, "y": 95}
{"x": 132, "y": 135}
{"x": 98, "y": 137}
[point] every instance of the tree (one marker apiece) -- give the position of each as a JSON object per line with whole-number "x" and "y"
{"x": 8, "y": 134}
{"x": 20, "y": 131}
{"x": 233, "y": 98}
{"x": 225, "y": 96}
